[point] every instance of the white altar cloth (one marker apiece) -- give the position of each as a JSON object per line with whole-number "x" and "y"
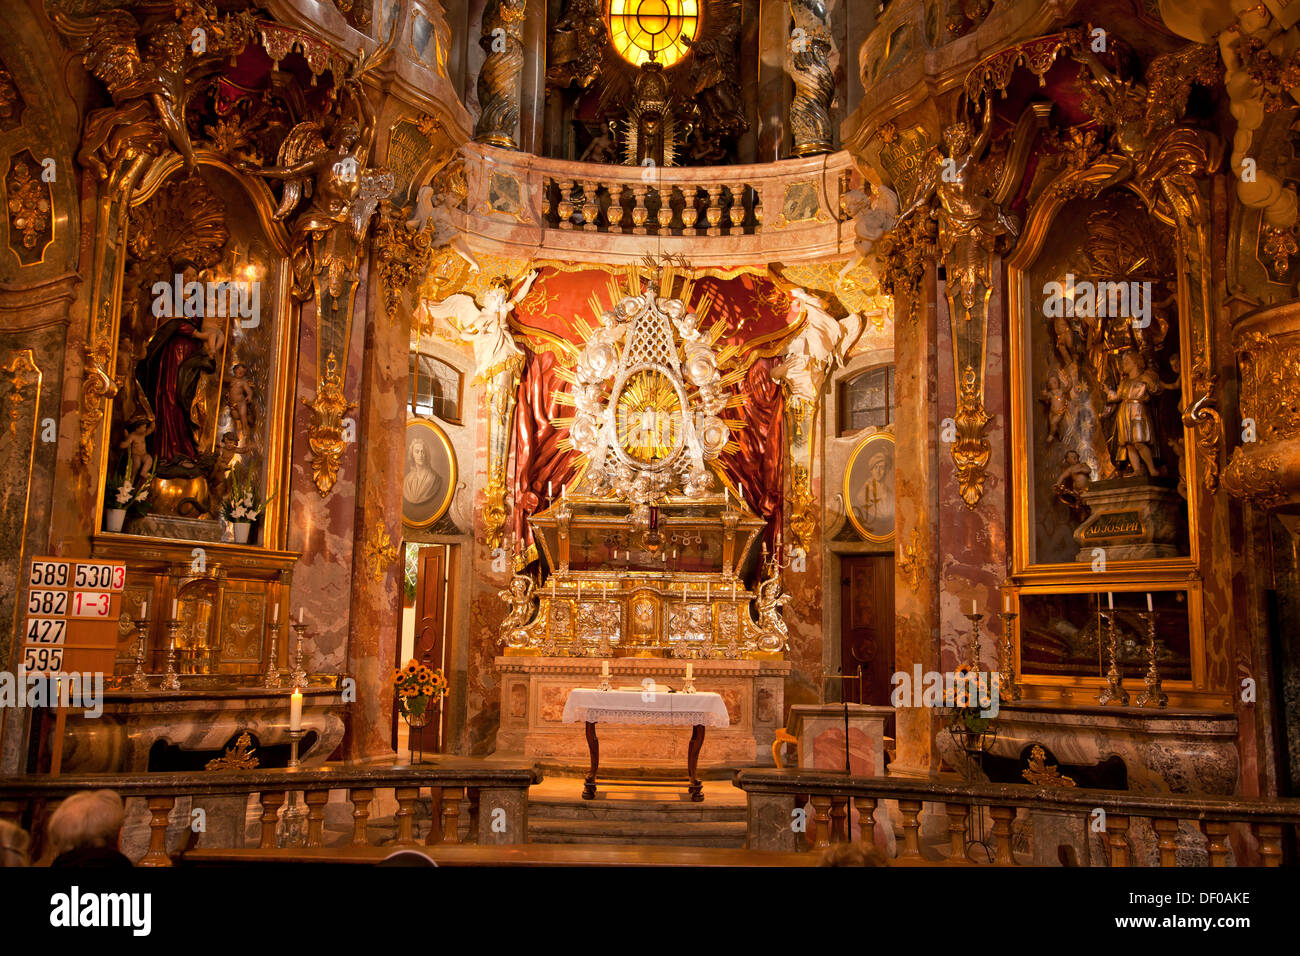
{"x": 588, "y": 705}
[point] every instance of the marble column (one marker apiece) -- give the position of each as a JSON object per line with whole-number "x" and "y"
{"x": 376, "y": 597}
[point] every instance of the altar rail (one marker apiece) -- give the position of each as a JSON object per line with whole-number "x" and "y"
{"x": 772, "y": 799}
{"x": 786, "y": 211}
{"x": 486, "y": 787}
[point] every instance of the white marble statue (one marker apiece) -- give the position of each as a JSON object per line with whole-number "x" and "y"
{"x": 487, "y": 327}
{"x": 822, "y": 343}
{"x": 873, "y": 216}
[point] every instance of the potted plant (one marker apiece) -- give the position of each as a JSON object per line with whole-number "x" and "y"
{"x": 242, "y": 505}
{"x": 418, "y": 686}
{"x": 125, "y": 494}
{"x": 971, "y": 725}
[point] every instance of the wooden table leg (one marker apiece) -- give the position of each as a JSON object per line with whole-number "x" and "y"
{"x": 696, "y": 788}
{"x": 589, "y": 788}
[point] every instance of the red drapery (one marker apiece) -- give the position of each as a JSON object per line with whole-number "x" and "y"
{"x": 539, "y": 459}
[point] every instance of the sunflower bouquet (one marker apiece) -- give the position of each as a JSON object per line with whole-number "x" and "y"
{"x": 417, "y": 685}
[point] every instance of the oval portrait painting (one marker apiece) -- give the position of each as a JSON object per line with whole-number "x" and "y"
{"x": 429, "y": 479}
{"x": 869, "y": 488}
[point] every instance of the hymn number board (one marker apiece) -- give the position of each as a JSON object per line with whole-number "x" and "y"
{"x": 72, "y": 611}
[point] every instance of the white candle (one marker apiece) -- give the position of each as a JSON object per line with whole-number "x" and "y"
{"x": 144, "y": 610}
{"x": 564, "y": 492}
{"x": 1110, "y": 600}
{"x": 742, "y": 491}
{"x": 1006, "y": 603}
{"x": 604, "y": 668}
{"x": 175, "y": 609}
{"x": 690, "y": 670}
{"x": 726, "y": 495}
{"x": 1149, "y": 607}
{"x": 275, "y": 613}
{"x": 550, "y": 490}
{"x": 973, "y": 608}
{"x": 299, "y": 615}
{"x": 579, "y": 590}
{"x": 733, "y": 590}
{"x": 295, "y": 710}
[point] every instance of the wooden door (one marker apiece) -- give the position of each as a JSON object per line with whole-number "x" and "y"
{"x": 432, "y": 629}
{"x": 867, "y": 625}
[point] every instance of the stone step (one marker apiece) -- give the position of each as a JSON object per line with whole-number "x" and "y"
{"x": 705, "y": 833}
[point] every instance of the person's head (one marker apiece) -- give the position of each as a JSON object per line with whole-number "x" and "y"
{"x": 137, "y": 426}
{"x": 90, "y": 818}
{"x": 13, "y": 845}
{"x": 878, "y": 467}
{"x": 229, "y": 440}
{"x": 1053, "y": 382}
{"x": 238, "y": 370}
{"x": 419, "y": 454}
{"x": 1071, "y": 457}
{"x": 957, "y": 138}
{"x": 1131, "y": 362}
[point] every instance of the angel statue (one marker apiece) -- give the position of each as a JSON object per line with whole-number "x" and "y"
{"x": 433, "y": 211}
{"x": 970, "y": 223}
{"x": 822, "y": 343}
{"x": 487, "y": 327}
{"x": 329, "y": 180}
{"x": 522, "y": 598}
{"x": 873, "y": 216}
{"x": 773, "y": 635}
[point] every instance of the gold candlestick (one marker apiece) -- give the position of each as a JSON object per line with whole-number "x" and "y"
{"x": 171, "y": 680}
{"x": 271, "y": 681}
{"x": 975, "y": 617}
{"x": 1154, "y": 695}
{"x": 1008, "y": 689}
{"x": 298, "y": 676}
{"x": 1114, "y": 681}
{"x": 140, "y": 680}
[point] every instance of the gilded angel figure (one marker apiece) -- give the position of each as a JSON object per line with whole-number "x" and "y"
{"x": 521, "y": 596}
{"x": 487, "y": 327}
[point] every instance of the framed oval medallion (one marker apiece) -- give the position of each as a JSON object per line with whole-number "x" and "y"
{"x": 429, "y": 480}
{"x": 869, "y": 488}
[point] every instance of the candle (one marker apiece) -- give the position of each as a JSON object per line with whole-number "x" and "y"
{"x": 550, "y": 490}
{"x": 1006, "y": 603}
{"x": 690, "y": 670}
{"x": 564, "y": 492}
{"x": 175, "y": 609}
{"x": 144, "y": 610}
{"x": 299, "y": 615}
{"x": 1110, "y": 600}
{"x": 295, "y": 710}
{"x": 275, "y": 613}
{"x": 1149, "y": 607}
{"x": 708, "y": 588}
{"x": 579, "y": 590}
{"x": 742, "y": 491}
{"x": 733, "y": 590}
{"x": 726, "y": 495}
{"x": 973, "y": 609}
{"x": 604, "y": 668}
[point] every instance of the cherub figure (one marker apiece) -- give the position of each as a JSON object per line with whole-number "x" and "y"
{"x": 137, "y": 430}
{"x": 487, "y": 327}
{"x": 774, "y": 635}
{"x": 229, "y": 456}
{"x": 873, "y": 216}
{"x": 434, "y": 205}
{"x": 1071, "y": 483}
{"x": 522, "y": 600}
{"x": 211, "y": 334}
{"x": 239, "y": 397}
{"x": 601, "y": 149}
{"x": 1055, "y": 396}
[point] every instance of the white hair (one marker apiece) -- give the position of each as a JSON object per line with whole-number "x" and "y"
{"x": 85, "y": 819}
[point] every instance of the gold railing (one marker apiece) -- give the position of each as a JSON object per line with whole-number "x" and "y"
{"x": 1260, "y": 826}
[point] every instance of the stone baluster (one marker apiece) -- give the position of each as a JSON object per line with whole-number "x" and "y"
{"x": 866, "y": 820}
{"x": 159, "y": 810}
{"x": 614, "y": 215}
{"x": 957, "y": 816}
{"x": 758, "y": 211}
{"x": 639, "y": 211}
{"x": 564, "y": 209}
{"x": 434, "y": 836}
{"x": 1270, "y": 843}
{"x": 451, "y": 797}
{"x": 1216, "y": 836}
{"x": 1167, "y": 842}
{"x": 665, "y": 212}
{"x": 316, "y": 800}
{"x": 713, "y": 211}
{"x": 549, "y": 203}
{"x": 821, "y": 822}
{"x": 405, "y": 815}
{"x": 839, "y": 819}
{"x": 1002, "y": 817}
{"x": 590, "y": 206}
{"x": 361, "y": 797}
{"x": 690, "y": 215}
{"x": 271, "y": 801}
{"x": 911, "y": 810}
{"x": 1117, "y": 839}
{"x": 736, "y": 213}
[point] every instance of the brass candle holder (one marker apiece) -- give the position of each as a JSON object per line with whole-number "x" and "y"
{"x": 1114, "y": 690}
{"x": 298, "y": 676}
{"x": 292, "y": 831}
{"x": 1008, "y": 689}
{"x": 974, "y": 651}
{"x": 140, "y": 680}
{"x": 1154, "y": 695}
{"x": 171, "y": 680}
{"x": 271, "y": 680}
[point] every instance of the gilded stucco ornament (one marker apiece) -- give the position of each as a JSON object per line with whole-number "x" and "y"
{"x": 325, "y": 435}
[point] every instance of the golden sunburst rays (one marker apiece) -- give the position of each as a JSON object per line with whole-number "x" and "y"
{"x": 649, "y": 416}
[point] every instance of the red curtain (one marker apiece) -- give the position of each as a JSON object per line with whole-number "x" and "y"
{"x": 539, "y": 460}
{"x": 759, "y": 464}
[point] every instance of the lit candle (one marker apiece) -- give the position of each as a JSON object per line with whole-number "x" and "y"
{"x": 690, "y": 670}
{"x": 604, "y": 668}
{"x": 1149, "y": 607}
{"x": 295, "y": 710}
{"x": 1110, "y": 600}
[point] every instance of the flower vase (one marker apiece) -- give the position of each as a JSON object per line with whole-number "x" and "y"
{"x": 241, "y": 529}
{"x": 113, "y": 519}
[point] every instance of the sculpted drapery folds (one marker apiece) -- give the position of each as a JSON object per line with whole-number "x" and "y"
{"x": 543, "y": 457}
{"x": 759, "y": 463}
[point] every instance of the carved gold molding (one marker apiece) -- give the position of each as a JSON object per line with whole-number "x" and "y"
{"x": 379, "y": 548}
{"x": 911, "y": 561}
{"x": 21, "y": 371}
{"x": 803, "y": 520}
{"x": 971, "y": 451}
{"x": 325, "y": 434}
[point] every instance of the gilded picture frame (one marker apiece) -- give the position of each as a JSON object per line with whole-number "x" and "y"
{"x": 429, "y": 475}
{"x": 875, "y": 520}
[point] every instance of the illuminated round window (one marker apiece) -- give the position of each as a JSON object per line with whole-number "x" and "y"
{"x": 653, "y": 29}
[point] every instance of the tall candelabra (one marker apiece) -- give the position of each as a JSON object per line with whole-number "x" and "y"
{"x": 171, "y": 680}
{"x": 140, "y": 680}
{"x": 299, "y": 674}
{"x": 974, "y": 651}
{"x": 271, "y": 681}
{"x": 1154, "y": 695}
{"x": 1114, "y": 690}
{"x": 1008, "y": 689}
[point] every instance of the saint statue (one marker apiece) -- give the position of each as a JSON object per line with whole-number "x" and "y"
{"x": 487, "y": 327}
{"x": 822, "y": 342}
{"x": 1134, "y": 435}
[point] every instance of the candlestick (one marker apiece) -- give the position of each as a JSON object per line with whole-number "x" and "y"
{"x": 1154, "y": 695}
{"x": 1114, "y": 689}
{"x": 299, "y": 674}
{"x": 292, "y": 827}
{"x": 271, "y": 680}
{"x": 171, "y": 680}
{"x": 688, "y": 686}
{"x": 1008, "y": 688}
{"x": 690, "y": 670}
{"x": 295, "y": 710}
{"x": 975, "y": 618}
{"x": 139, "y": 680}
{"x": 604, "y": 668}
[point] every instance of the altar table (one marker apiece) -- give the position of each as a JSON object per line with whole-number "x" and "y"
{"x": 695, "y": 710}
